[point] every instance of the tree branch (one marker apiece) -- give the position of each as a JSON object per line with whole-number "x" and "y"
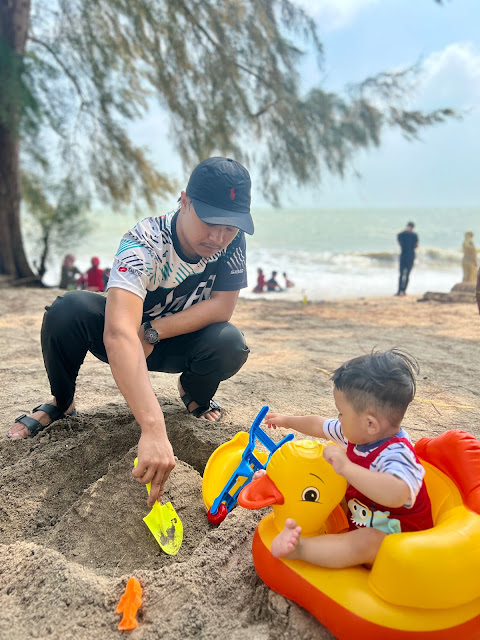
{"x": 62, "y": 65}
{"x": 220, "y": 49}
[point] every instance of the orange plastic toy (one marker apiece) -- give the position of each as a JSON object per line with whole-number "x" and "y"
{"x": 423, "y": 585}
{"x": 129, "y": 604}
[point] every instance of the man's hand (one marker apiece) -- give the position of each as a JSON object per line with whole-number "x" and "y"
{"x": 337, "y": 457}
{"x": 147, "y": 347}
{"x": 155, "y": 462}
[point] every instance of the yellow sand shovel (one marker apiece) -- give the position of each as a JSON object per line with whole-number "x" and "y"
{"x": 165, "y": 525}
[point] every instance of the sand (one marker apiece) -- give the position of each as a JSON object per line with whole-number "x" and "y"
{"x": 71, "y": 529}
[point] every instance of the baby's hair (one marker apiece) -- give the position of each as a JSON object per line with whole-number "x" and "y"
{"x": 382, "y": 380}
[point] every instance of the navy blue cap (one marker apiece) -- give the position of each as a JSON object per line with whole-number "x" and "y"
{"x": 219, "y": 189}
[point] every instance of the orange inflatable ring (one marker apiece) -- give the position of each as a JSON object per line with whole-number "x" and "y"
{"x": 423, "y": 585}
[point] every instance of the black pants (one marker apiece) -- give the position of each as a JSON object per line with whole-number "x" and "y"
{"x": 74, "y": 324}
{"x": 406, "y": 264}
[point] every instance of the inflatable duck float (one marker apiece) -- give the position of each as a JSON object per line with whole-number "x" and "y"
{"x": 422, "y": 585}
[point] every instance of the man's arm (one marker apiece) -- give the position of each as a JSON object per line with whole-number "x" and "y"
{"x": 218, "y": 308}
{"x": 128, "y": 364}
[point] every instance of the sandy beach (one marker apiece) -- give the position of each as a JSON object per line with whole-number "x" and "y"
{"x": 71, "y": 529}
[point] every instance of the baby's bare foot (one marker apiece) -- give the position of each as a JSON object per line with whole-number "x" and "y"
{"x": 286, "y": 543}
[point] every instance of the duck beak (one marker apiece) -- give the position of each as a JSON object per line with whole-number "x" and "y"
{"x": 260, "y": 493}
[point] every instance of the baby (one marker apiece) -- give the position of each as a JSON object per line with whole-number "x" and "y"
{"x": 386, "y": 490}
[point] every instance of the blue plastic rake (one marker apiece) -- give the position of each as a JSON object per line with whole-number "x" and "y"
{"x": 249, "y": 463}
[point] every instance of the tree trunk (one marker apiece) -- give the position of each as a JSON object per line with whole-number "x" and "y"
{"x": 14, "y": 17}
{"x": 41, "y": 268}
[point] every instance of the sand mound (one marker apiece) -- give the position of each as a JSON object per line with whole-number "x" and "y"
{"x": 73, "y": 516}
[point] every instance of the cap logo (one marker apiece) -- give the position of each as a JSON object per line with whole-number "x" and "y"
{"x": 232, "y": 194}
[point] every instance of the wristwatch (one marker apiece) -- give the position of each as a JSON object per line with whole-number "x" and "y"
{"x": 151, "y": 334}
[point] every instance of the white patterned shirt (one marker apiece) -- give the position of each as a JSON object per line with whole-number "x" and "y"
{"x": 150, "y": 263}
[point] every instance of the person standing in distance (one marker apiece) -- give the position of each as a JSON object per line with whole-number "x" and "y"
{"x": 172, "y": 290}
{"x": 477, "y": 291}
{"x": 408, "y": 241}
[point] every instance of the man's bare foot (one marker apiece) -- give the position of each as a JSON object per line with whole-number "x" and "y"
{"x": 286, "y": 543}
{"x": 19, "y": 431}
{"x": 212, "y": 416}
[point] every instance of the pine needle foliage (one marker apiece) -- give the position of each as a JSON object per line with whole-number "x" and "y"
{"x": 74, "y": 75}
{"x": 225, "y": 72}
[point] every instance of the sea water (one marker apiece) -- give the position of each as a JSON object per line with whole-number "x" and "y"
{"x": 327, "y": 253}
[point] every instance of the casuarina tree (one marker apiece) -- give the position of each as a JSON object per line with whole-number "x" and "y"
{"x": 75, "y": 73}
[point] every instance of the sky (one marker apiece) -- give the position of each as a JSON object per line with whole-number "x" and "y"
{"x": 362, "y": 38}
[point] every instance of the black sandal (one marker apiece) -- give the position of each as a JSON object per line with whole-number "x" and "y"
{"x": 201, "y": 411}
{"x": 34, "y": 426}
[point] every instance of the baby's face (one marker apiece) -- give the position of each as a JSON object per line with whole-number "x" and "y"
{"x": 354, "y": 425}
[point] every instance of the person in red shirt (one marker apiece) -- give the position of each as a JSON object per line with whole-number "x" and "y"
{"x": 261, "y": 282}
{"x": 93, "y": 279}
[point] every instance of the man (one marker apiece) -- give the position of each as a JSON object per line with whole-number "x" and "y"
{"x": 408, "y": 241}
{"x": 171, "y": 293}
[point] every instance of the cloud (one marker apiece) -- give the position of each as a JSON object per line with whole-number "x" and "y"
{"x": 335, "y": 14}
{"x": 451, "y": 77}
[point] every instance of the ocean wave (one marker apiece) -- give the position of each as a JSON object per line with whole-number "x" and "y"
{"x": 381, "y": 256}
{"x": 441, "y": 255}
{"x": 426, "y": 256}
{"x": 423, "y": 254}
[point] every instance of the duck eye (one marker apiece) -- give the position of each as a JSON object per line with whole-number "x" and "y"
{"x": 311, "y": 494}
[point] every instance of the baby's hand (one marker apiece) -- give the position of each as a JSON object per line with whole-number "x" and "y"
{"x": 258, "y": 474}
{"x": 274, "y": 420}
{"x": 337, "y": 457}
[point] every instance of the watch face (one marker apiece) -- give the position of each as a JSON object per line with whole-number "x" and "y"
{"x": 151, "y": 335}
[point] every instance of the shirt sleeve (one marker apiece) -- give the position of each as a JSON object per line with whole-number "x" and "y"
{"x": 130, "y": 267}
{"x": 399, "y": 460}
{"x": 232, "y": 268}
{"x": 332, "y": 429}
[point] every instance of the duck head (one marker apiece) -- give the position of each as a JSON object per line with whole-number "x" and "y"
{"x": 299, "y": 484}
